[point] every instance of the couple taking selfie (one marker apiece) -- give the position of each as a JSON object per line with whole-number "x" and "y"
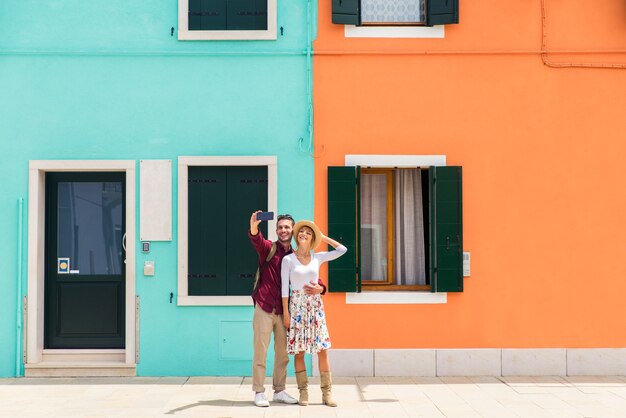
{"x": 288, "y": 303}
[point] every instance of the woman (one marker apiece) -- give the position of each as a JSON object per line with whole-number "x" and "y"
{"x": 303, "y": 313}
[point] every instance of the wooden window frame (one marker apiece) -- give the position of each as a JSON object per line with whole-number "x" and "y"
{"x": 377, "y": 285}
{"x": 388, "y": 173}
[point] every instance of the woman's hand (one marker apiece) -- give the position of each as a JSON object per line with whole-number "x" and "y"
{"x": 330, "y": 241}
{"x": 286, "y": 320}
{"x": 313, "y": 288}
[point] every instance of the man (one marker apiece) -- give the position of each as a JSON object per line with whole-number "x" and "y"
{"x": 268, "y": 310}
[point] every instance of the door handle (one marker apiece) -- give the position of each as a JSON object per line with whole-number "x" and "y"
{"x": 124, "y": 246}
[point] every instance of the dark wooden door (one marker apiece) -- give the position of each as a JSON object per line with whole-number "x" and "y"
{"x": 85, "y": 260}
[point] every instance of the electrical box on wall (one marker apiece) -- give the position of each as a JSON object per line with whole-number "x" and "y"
{"x": 148, "y": 268}
{"x": 466, "y": 264}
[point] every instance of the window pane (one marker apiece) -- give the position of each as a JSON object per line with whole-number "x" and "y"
{"x": 409, "y": 244}
{"x": 392, "y": 11}
{"x": 90, "y": 226}
{"x": 374, "y": 227}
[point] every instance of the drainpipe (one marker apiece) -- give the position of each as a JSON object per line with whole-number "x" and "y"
{"x": 309, "y": 69}
{"x": 18, "y": 310}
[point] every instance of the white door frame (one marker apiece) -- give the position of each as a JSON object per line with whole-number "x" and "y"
{"x": 36, "y": 262}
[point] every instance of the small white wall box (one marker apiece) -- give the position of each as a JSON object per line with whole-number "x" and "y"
{"x": 148, "y": 268}
{"x": 466, "y": 264}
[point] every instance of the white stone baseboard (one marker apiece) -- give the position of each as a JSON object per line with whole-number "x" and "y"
{"x": 476, "y": 362}
{"x": 534, "y": 362}
{"x": 596, "y": 362}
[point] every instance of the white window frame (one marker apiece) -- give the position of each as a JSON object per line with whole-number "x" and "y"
{"x": 184, "y": 299}
{"x": 396, "y": 32}
{"x": 395, "y": 297}
{"x": 184, "y": 34}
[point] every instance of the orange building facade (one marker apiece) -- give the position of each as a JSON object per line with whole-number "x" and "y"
{"x": 529, "y": 98}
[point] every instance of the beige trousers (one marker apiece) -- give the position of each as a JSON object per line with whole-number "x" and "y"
{"x": 264, "y": 324}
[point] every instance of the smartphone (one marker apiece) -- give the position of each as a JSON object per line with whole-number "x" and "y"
{"x": 265, "y": 216}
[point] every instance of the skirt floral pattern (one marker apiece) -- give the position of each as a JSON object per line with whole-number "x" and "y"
{"x": 307, "y": 329}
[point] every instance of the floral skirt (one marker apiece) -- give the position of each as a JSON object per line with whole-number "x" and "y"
{"x": 307, "y": 330}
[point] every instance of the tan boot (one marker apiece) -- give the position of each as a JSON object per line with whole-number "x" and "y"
{"x": 303, "y": 387}
{"x": 326, "y": 385}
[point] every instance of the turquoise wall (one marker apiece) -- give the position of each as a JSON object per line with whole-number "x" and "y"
{"x": 105, "y": 80}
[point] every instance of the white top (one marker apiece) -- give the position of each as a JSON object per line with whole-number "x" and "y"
{"x": 298, "y": 274}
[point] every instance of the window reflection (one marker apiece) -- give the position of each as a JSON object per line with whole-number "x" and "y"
{"x": 90, "y": 226}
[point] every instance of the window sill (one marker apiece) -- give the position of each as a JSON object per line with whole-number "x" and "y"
{"x": 214, "y": 301}
{"x": 396, "y": 298}
{"x": 367, "y": 286}
{"x": 352, "y": 31}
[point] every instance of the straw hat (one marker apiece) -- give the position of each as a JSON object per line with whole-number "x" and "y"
{"x": 318, "y": 234}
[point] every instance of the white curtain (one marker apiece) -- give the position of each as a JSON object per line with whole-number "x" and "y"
{"x": 409, "y": 267}
{"x": 392, "y": 11}
{"x": 374, "y": 227}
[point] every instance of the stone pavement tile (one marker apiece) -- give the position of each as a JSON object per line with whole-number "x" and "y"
{"x": 372, "y": 384}
{"x": 352, "y": 409}
{"x": 541, "y": 381}
{"x": 341, "y": 393}
{"x": 444, "y": 395}
{"x": 621, "y": 392}
{"x": 484, "y": 380}
{"x": 465, "y": 388}
{"x": 216, "y": 381}
{"x": 602, "y": 381}
{"x": 422, "y": 410}
{"x": 427, "y": 380}
{"x": 487, "y": 406}
{"x": 548, "y": 401}
{"x": 317, "y": 411}
{"x": 546, "y": 389}
{"x": 458, "y": 411}
{"x": 408, "y": 393}
{"x": 523, "y": 406}
{"x": 398, "y": 380}
{"x": 382, "y": 408}
{"x": 279, "y": 411}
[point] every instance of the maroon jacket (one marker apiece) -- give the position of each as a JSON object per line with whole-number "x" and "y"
{"x": 268, "y": 291}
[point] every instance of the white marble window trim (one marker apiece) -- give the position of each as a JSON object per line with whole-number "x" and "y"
{"x": 185, "y": 34}
{"x": 183, "y": 298}
{"x": 395, "y": 297}
{"x": 351, "y": 31}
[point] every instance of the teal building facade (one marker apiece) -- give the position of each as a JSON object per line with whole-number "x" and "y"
{"x": 121, "y": 126}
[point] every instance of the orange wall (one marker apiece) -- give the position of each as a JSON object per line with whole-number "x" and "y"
{"x": 542, "y": 151}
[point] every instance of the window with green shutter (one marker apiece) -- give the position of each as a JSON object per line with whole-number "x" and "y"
{"x": 221, "y": 260}
{"x": 395, "y": 12}
{"x": 226, "y": 19}
{"x": 405, "y": 224}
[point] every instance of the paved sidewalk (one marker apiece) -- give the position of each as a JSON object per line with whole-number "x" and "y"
{"x": 390, "y": 397}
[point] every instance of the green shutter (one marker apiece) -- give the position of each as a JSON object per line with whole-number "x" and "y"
{"x": 207, "y": 231}
{"x": 347, "y": 12}
{"x": 343, "y": 226}
{"x": 207, "y": 15}
{"x": 442, "y": 12}
{"x": 246, "y": 15}
{"x": 446, "y": 229}
{"x": 246, "y": 192}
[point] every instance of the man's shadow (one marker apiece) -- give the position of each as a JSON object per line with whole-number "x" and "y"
{"x": 214, "y": 402}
